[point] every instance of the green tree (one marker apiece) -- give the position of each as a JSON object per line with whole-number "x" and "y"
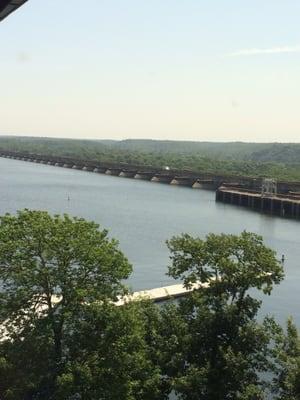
{"x": 50, "y": 269}
{"x": 215, "y": 349}
{"x": 287, "y": 352}
{"x": 110, "y": 356}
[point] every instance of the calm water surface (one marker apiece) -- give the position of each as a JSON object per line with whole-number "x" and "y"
{"x": 142, "y": 215}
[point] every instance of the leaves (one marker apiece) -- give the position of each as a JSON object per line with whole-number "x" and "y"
{"x": 50, "y": 268}
{"x": 287, "y": 371}
{"x": 229, "y": 262}
{"x": 225, "y": 350}
{"x": 43, "y": 256}
{"x": 207, "y": 346}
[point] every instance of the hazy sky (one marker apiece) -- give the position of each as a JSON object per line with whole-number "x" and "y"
{"x": 166, "y": 69}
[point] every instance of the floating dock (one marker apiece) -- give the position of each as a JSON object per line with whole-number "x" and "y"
{"x": 284, "y": 205}
{"x": 156, "y": 295}
{"x": 160, "y": 294}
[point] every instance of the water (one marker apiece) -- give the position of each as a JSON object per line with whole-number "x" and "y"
{"x": 142, "y": 215}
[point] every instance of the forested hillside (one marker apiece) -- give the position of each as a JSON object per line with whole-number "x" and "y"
{"x": 280, "y": 161}
{"x": 226, "y": 150}
{"x": 286, "y": 153}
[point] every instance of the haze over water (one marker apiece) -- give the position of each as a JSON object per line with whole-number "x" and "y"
{"x": 142, "y": 215}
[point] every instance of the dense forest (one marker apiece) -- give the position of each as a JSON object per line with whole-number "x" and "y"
{"x": 276, "y": 160}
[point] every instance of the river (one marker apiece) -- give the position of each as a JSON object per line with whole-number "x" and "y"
{"x": 142, "y": 215}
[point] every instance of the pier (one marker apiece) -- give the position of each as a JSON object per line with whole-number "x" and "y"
{"x": 160, "y": 294}
{"x": 156, "y": 295}
{"x": 284, "y": 205}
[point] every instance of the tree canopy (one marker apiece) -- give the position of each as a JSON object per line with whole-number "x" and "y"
{"x": 63, "y": 337}
{"x": 50, "y": 269}
{"x": 287, "y": 371}
{"x": 217, "y": 349}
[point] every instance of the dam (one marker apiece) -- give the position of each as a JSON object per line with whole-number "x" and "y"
{"x": 148, "y": 173}
{"x": 188, "y": 178}
{"x": 235, "y": 190}
{"x": 287, "y": 205}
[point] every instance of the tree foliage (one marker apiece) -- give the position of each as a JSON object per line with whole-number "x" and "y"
{"x": 287, "y": 353}
{"x": 51, "y": 268}
{"x": 221, "y": 351}
{"x": 63, "y": 338}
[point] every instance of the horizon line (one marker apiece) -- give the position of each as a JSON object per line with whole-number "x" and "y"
{"x": 144, "y": 139}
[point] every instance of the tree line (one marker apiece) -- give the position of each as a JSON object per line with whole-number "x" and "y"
{"x": 63, "y": 338}
{"x": 255, "y": 160}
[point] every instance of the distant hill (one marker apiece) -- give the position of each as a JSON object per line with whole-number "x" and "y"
{"x": 278, "y": 152}
{"x": 228, "y": 150}
{"x": 285, "y": 153}
{"x": 264, "y": 152}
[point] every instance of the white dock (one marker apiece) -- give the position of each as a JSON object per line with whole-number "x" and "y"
{"x": 156, "y": 295}
{"x": 159, "y": 294}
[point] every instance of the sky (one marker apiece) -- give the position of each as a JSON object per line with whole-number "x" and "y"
{"x": 219, "y": 70}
